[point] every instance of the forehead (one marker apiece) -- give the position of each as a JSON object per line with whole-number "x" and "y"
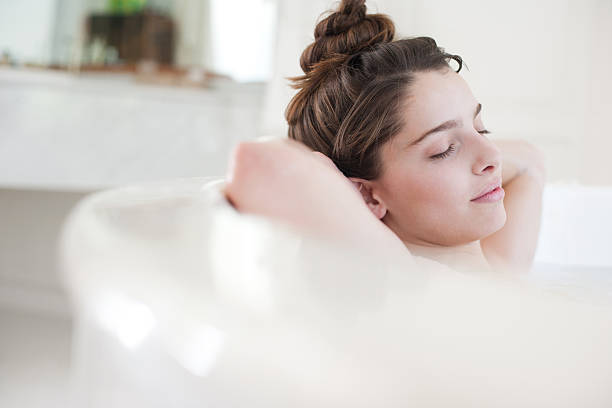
{"x": 435, "y": 97}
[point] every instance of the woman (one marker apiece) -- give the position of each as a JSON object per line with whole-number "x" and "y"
{"x": 394, "y": 118}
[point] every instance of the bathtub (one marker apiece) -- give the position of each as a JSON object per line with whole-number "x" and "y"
{"x": 575, "y": 247}
{"x": 181, "y": 301}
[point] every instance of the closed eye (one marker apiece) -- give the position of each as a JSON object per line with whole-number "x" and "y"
{"x": 451, "y": 148}
{"x": 442, "y": 155}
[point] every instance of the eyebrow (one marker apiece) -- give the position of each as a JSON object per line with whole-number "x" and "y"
{"x": 449, "y": 124}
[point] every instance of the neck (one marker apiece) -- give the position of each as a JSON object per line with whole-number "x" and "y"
{"x": 466, "y": 257}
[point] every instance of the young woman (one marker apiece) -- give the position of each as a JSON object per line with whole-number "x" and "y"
{"x": 395, "y": 119}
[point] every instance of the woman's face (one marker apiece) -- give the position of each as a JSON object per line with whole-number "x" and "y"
{"x": 427, "y": 185}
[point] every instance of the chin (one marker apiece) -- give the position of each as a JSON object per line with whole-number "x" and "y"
{"x": 497, "y": 223}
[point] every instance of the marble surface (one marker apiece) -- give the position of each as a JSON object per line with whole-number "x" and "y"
{"x": 82, "y": 132}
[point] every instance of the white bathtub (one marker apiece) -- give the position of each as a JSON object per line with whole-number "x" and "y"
{"x": 575, "y": 244}
{"x": 180, "y": 301}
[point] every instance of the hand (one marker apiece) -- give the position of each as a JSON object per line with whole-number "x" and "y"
{"x": 520, "y": 157}
{"x": 283, "y": 180}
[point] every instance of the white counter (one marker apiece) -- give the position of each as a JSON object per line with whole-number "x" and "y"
{"x": 63, "y": 131}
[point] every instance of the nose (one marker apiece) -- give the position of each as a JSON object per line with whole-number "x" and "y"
{"x": 488, "y": 157}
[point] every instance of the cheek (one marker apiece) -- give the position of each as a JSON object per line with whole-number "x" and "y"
{"x": 439, "y": 189}
{"x": 435, "y": 190}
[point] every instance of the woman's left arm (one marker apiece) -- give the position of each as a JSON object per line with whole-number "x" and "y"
{"x": 523, "y": 178}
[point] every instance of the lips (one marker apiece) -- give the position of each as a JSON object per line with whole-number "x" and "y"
{"x": 488, "y": 188}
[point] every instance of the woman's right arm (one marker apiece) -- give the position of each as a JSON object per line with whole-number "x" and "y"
{"x": 283, "y": 180}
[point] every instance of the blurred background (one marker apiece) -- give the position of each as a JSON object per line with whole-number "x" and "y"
{"x": 102, "y": 93}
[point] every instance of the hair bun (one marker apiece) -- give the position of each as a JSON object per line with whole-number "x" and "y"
{"x": 345, "y": 32}
{"x": 349, "y": 14}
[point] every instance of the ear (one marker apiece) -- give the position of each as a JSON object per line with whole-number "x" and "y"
{"x": 371, "y": 198}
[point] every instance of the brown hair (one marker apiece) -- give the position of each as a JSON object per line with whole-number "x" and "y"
{"x": 355, "y": 77}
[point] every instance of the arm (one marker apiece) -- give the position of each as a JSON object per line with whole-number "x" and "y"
{"x": 523, "y": 178}
{"x": 283, "y": 180}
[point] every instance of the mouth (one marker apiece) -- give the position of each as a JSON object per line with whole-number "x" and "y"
{"x": 491, "y": 193}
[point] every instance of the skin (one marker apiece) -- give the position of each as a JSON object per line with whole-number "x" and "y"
{"x": 457, "y": 326}
{"x": 424, "y": 204}
{"x": 427, "y": 203}
{"x": 283, "y": 180}
{"x": 524, "y": 176}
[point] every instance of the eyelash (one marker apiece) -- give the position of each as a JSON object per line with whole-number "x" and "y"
{"x": 451, "y": 148}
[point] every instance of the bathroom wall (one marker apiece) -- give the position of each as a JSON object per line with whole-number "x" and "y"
{"x": 230, "y": 38}
{"x": 540, "y": 69}
{"x": 26, "y": 29}
{"x": 30, "y": 277}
